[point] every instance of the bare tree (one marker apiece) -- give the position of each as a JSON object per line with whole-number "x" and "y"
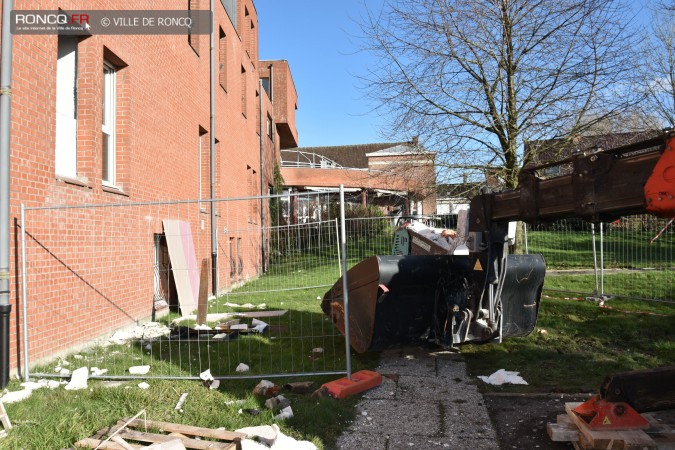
{"x": 658, "y": 64}
{"x": 477, "y": 78}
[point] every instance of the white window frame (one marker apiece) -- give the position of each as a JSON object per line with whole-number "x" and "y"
{"x": 66, "y": 108}
{"x": 108, "y": 124}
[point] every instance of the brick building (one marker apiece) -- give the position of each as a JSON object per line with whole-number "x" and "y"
{"x": 123, "y": 119}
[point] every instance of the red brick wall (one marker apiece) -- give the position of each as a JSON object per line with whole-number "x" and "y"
{"x": 162, "y": 101}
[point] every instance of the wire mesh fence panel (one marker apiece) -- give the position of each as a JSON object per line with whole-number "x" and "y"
{"x": 630, "y": 262}
{"x": 116, "y": 288}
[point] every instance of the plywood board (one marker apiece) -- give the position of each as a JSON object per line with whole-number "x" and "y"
{"x": 183, "y": 263}
{"x": 203, "y": 302}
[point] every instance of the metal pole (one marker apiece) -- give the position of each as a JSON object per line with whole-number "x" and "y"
{"x": 595, "y": 260}
{"x": 527, "y": 250}
{"x": 262, "y": 181}
{"x": 345, "y": 293}
{"x": 602, "y": 264}
{"x": 5, "y": 127}
{"x": 212, "y": 152}
{"x": 24, "y": 295}
{"x": 337, "y": 234}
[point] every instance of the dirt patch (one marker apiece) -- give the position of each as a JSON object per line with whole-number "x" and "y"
{"x": 520, "y": 419}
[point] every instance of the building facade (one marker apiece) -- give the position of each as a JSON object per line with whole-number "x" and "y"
{"x": 126, "y": 119}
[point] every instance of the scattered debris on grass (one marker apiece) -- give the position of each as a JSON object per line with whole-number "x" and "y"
{"x": 300, "y": 387}
{"x": 503, "y": 376}
{"x": 139, "y": 370}
{"x": 284, "y": 414}
{"x": 146, "y": 331}
{"x": 143, "y": 385}
{"x": 95, "y": 371}
{"x": 242, "y": 368}
{"x": 181, "y": 400}
{"x": 270, "y": 437}
{"x": 78, "y": 380}
{"x": 266, "y": 388}
{"x": 258, "y": 326}
{"x": 208, "y": 380}
{"x": 277, "y": 403}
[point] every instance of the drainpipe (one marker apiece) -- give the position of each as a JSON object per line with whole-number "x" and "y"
{"x": 262, "y": 179}
{"x": 212, "y": 153}
{"x": 5, "y": 126}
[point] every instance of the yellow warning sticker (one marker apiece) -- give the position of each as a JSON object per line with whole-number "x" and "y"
{"x": 478, "y": 266}
{"x": 606, "y": 421}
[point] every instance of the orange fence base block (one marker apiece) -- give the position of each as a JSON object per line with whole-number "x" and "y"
{"x": 361, "y": 381}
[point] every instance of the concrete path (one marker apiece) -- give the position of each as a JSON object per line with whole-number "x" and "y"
{"x": 427, "y": 402}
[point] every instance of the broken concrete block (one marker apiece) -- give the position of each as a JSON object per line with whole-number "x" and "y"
{"x": 78, "y": 380}
{"x": 242, "y": 368}
{"x": 181, "y": 400}
{"x": 96, "y": 371}
{"x": 259, "y": 326}
{"x": 264, "y": 433}
{"x": 139, "y": 370}
{"x": 248, "y": 444}
{"x": 143, "y": 385}
{"x": 266, "y": 388}
{"x": 277, "y": 403}
{"x": 175, "y": 444}
{"x": 284, "y": 414}
{"x": 206, "y": 375}
{"x": 16, "y": 396}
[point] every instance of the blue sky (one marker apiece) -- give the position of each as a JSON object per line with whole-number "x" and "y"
{"x": 314, "y": 36}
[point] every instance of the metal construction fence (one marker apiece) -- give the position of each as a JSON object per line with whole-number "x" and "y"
{"x": 101, "y": 286}
{"x": 631, "y": 258}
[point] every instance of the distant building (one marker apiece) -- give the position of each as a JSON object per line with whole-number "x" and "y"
{"x": 398, "y": 177}
{"x": 452, "y": 198}
{"x": 549, "y": 151}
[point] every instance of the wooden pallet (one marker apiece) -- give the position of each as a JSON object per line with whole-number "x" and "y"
{"x": 4, "y": 419}
{"x": 570, "y": 427}
{"x": 134, "y": 435}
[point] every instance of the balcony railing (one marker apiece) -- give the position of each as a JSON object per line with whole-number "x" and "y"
{"x": 303, "y": 160}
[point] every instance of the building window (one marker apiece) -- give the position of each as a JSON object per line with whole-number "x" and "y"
{"x": 66, "y": 107}
{"x": 270, "y": 128}
{"x": 266, "y": 86}
{"x": 193, "y": 39}
{"x": 233, "y": 258}
{"x": 222, "y": 55}
{"x": 109, "y": 155}
{"x": 231, "y": 9}
{"x": 243, "y": 91}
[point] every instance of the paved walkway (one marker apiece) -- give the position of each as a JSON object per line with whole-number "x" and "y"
{"x": 427, "y": 402}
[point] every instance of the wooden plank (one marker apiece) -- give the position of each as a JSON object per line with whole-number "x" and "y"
{"x": 4, "y": 417}
{"x": 187, "y": 430}
{"x": 224, "y": 316}
{"x": 562, "y": 433}
{"x": 203, "y": 301}
{"x": 98, "y": 443}
{"x": 140, "y": 436}
{"x": 628, "y": 439}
